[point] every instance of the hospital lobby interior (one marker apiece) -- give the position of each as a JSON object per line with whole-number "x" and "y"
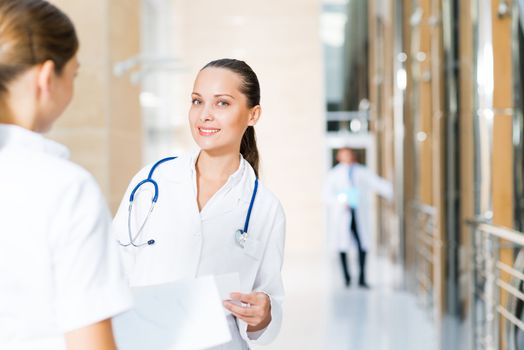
{"x": 427, "y": 94}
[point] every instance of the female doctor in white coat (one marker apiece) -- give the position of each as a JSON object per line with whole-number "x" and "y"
{"x": 203, "y": 201}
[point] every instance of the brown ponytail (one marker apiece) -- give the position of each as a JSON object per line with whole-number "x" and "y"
{"x": 251, "y": 89}
{"x": 32, "y": 32}
{"x": 248, "y": 148}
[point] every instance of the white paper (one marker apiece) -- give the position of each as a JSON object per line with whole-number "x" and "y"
{"x": 186, "y": 314}
{"x": 227, "y": 284}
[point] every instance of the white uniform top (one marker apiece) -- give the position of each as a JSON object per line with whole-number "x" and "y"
{"x": 59, "y": 266}
{"x": 189, "y": 243}
{"x": 338, "y": 216}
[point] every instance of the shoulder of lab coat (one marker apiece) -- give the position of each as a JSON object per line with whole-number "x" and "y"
{"x": 175, "y": 169}
{"x": 85, "y": 258}
{"x": 269, "y": 276}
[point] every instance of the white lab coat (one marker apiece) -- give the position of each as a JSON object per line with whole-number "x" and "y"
{"x": 189, "y": 243}
{"x": 59, "y": 266}
{"x": 339, "y": 217}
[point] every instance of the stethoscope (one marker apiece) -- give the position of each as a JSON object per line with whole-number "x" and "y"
{"x": 241, "y": 235}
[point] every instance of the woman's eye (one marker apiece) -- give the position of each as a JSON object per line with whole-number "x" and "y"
{"x": 222, "y": 103}
{"x": 195, "y": 101}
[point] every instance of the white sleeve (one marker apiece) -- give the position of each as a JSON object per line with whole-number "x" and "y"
{"x": 380, "y": 186}
{"x": 269, "y": 281}
{"x": 88, "y": 279}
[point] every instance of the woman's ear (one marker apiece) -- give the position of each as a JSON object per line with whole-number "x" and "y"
{"x": 254, "y": 115}
{"x": 46, "y": 76}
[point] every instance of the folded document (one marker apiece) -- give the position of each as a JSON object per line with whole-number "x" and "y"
{"x": 186, "y": 314}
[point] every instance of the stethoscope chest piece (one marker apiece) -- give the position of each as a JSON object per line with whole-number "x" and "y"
{"x": 241, "y": 237}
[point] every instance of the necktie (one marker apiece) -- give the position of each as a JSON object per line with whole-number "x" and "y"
{"x": 352, "y": 193}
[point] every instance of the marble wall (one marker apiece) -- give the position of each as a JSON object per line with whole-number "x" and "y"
{"x": 102, "y": 126}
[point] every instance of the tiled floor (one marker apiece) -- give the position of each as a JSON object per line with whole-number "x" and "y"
{"x": 320, "y": 313}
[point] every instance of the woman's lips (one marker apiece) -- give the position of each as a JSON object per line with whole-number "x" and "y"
{"x": 207, "y": 131}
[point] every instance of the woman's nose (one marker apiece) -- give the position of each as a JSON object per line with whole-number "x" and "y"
{"x": 206, "y": 115}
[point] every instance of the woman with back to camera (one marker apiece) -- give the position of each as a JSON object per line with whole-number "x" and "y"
{"x": 60, "y": 278}
{"x": 212, "y": 216}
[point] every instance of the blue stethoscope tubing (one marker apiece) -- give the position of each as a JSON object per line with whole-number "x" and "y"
{"x": 132, "y": 240}
{"x": 240, "y": 235}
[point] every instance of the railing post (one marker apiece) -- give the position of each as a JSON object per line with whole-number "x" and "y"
{"x": 487, "y": 309}
{"x": 491, "y": 340}
{"x": 473, "y": 288}
{"x": 496, "y": 291}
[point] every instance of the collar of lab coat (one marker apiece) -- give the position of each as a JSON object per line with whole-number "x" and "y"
{"x": 233, "y": 178}
{"x": 236, "y": 191}
{"x": 15, "y": 137}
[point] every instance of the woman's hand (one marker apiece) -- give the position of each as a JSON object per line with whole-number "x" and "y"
{"x": 254, "y": 309}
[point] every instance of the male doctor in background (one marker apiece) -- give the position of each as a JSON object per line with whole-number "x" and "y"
{"x": 349, "y": 191}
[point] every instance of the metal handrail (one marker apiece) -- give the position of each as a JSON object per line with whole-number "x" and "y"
{"x": 502, "y": 232}
{"x": 487, "y": 269}
{"x": 510, "y": 270}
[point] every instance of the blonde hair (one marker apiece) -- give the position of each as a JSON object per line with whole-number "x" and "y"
{"x": 33, "y": 32}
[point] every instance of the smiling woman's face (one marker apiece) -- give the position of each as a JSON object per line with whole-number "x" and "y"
{"x": 219, "y": 113}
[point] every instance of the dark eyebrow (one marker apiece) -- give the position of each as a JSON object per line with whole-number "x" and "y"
{"x": 219, "y": 95}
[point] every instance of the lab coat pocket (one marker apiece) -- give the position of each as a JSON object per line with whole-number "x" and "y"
{"x": 253, "y": 248}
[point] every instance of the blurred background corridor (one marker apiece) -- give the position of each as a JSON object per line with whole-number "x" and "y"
{"x": 428, "y": 94}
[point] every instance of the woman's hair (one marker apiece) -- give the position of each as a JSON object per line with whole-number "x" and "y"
{"x": 33, "y": 32}
{"x": 250, "y": 87}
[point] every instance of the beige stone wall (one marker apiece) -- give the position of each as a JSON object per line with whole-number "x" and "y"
{"x": 280, "y": 40}
{"x": 102, "y": 127}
